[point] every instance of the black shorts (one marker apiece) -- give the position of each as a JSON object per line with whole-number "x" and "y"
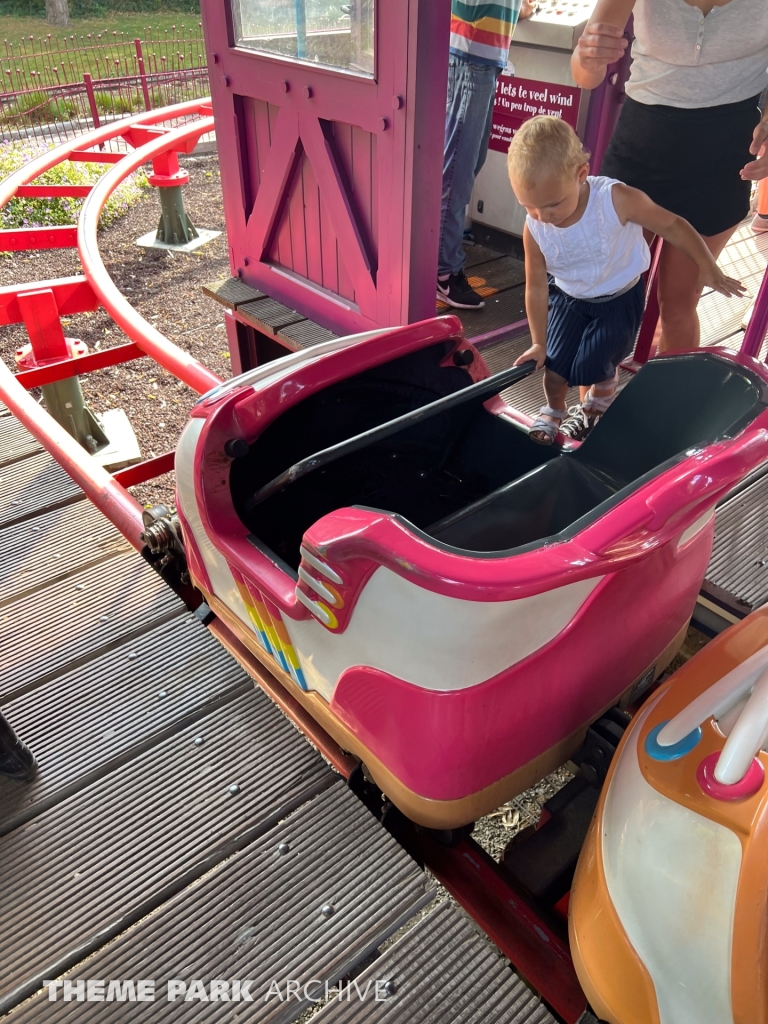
{"x": 586, "y": 340}
{"x": 687, "y": 161}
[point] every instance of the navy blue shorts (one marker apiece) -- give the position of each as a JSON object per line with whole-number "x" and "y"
{"x": 586, "y": 340}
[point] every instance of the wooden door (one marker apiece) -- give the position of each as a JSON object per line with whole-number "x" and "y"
{"x": 330, "y": 122}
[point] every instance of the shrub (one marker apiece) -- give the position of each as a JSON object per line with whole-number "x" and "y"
{"x": 38, "y": 108}
{"x": 109, "y": 104}
{"x": 26, "y": 212}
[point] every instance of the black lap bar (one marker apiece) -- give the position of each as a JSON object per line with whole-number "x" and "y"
{"x": 482, "y": 389}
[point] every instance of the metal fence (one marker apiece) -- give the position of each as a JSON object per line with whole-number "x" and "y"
{"x": 55, "y": 85}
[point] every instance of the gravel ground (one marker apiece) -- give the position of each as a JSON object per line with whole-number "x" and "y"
{"x": 166, "y": 289}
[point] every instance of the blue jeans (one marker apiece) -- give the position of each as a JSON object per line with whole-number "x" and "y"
{"x": 471, "y": 91}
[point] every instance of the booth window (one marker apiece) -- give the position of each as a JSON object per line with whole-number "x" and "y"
{"x": 337, "y": 34}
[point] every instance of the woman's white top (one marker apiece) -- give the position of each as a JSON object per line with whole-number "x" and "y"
{"x": 598, "y": 255}
{"x": 683, "y": 59}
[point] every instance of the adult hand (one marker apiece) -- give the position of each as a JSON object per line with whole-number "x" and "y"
{"x": 755, "y": 170}
{"x": 714, "y": 278}
{"x": 600, "y": 44}
{"x": 527, "y": 9}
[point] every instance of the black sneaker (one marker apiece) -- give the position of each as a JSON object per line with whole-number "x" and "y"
{"x": 16, "y": 759}
{"x": 577, "y": 424}
{"x": 458, "y": 292}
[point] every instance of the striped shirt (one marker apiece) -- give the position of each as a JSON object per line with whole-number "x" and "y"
{"x": 483, "y": 31}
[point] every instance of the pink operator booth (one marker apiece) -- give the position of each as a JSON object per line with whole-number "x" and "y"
{"x": 330, "y": 124}
{"x": 454, "y": 604}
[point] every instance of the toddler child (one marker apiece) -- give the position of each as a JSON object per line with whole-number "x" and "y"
{"x": 584, "y": 257}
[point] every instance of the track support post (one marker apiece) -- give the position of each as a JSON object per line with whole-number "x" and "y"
{"x": 175, "y": 230}
{"x": 63, "y": 399}
{"x": 110, "y": 437}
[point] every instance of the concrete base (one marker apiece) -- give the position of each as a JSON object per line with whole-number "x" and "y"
{"x": 149, "y": 241}
{"x": 123, "y": 448}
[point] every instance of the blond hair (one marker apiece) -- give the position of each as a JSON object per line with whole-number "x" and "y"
{"x": 544, "y": 144}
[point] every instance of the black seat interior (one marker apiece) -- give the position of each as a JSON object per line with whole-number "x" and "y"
{"x": 468, "y": 478}
{"x": 671, "y": 406}
{"x": 423, "y": 473}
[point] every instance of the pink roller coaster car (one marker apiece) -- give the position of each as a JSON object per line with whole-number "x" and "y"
{"x": 453, "y": 603}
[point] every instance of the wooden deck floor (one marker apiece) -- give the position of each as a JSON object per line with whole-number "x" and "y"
{"x": 180, "y": 828}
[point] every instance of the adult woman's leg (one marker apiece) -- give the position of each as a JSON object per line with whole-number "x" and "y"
{"x": 679, "y": 295}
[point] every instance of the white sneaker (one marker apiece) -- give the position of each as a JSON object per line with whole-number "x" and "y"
{"x": 760, "y": 223}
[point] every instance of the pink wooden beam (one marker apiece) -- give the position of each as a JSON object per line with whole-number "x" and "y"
{"x": 758, "y": 323}
{"x": 651, "y": 315}
{"x": 278, "y": 171}
{"x": 333, "y": 190}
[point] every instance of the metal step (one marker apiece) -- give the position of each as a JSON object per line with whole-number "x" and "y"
{"x": 737, "y": 576}
{"x": 16, "y": 442}
{"x": 100, "y": 861}
{"x": 477, "y": 254}
{"x": 507, "y": 307}
{"x": 304, "y": 334}
{"x": 306, "y": 902}
{"x": 441, "y": 971}
{"x": 34, "y": 485}
{"x": 65, "y": 624}
{"x": 500, "y": 273}
{"x": 87, "y": 722}
{"x": 53, "y": 545}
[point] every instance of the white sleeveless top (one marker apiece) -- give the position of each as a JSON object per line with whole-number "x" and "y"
{"x": 683, "y": 59}
{"x": 598, "y": 255}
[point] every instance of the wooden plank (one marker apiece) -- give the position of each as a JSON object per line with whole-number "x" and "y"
{"x": 312, "y": 220}
{"x": 52, "y": 546}
{"x": 276, "y": 175}
{"x": 259, "y": 916}
{"x": 87, "y": 722}
{"x": 16, "y": 442}
{"x": 334, "y": 190}
{"x": 69, "y": 621}
{"x": 231, "y": 292}
{"x": 34, "y": 485}
{"x": 296, "y": 220}
{"x": 304, "y": 334}
{"x": 329, "y": 249}
{"x": 507, "y": 307}
{"x": 362, "y": 185}
{"x": 88, "y": 868}
{"x": 442, "y": 970}
{"x": 268, "y": 315}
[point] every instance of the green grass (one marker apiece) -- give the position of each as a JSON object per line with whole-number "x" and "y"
{"x": 27, "y": 63}
{"x": 134, "y": 25}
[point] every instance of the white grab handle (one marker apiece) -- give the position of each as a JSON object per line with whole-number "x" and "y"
{"x": 717, "y": 699}
{"x": 747, "y": 738}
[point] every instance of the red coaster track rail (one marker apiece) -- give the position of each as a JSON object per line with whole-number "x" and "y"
{"x": 40, "y": 305}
